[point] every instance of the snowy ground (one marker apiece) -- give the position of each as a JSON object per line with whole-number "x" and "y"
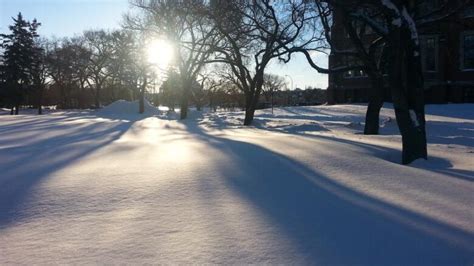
{"x": 301, "y": 187}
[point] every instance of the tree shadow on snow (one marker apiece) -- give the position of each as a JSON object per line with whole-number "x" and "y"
{"x": 445, "y": 132}
{"x": 24, "y": 167}
{"x": 433, "y": 164}
{"x": 329, "y": 223}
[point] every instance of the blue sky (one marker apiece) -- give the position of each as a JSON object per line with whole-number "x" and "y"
{"x": 62, "y": 18}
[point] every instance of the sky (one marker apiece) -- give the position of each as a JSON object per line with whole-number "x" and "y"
{"x": 66, "y": 18}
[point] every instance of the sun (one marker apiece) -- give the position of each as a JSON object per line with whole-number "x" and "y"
{"x": 159, "y": 53}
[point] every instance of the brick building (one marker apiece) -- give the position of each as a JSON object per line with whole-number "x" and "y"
{"x": 447, "y": 58}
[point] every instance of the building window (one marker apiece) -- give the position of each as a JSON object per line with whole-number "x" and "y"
{"x": 469, "y": 12}
{"x": 429, "y": 53}
{"x": 467, "y": 51}
{"x": 359, "y": 73}
{"x": 348, "y": 74}
{"x": 354, "y": 74}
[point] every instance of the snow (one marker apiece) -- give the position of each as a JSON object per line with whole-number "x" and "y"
{"x": 397, "y": 22}
{"x": 302, "y": 186}
{"x": 390, "y": 5}
{"x": 414, "y": 118}
{"x": 125, "y": 107}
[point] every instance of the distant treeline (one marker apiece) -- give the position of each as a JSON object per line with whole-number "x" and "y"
{"x": 99, "y": 67}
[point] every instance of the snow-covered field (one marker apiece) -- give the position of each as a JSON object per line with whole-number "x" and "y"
{"x": 302, "y": 186}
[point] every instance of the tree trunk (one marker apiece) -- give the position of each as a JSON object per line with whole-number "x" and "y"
{"x": 141, "y": 108}
{"x": 141, "y": 103}
{"x": 211, "y": 102}
{"x": 251, "y": 100}
{"x": 62, "y": 105}
{"x": 185, "y": 100}
{"x": 272, "y": 100}
{"x": 249, "y": 114}
{"x": 40, "y": 101}
{"x": 17, "y": 108}
{"x": 82, "y": 99}
{"x": 183, "y": 110}
{"x": 97, "y": 98}
{"x": 11, "y": 110}
{"x": 372, "y": 117}
{"x": 408, "y": 96}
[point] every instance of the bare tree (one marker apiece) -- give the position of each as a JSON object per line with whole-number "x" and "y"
{"x": 211, "y": 82}
{"x": 396, "y": 23}
{"x": 186, "y": 26}
{"x": 363, "y": 49}
{"x": 199, "y": 91}
{"x": 100, "y": 46}
{"x": 272, "y": 83}
{"x": 38, "y": 71}
{"x": 398, "y": 32}
{"x": 60, "y": 68}
{"x": 406, "y": 77}
{"x": 370, "y": 50}
{"x": 256, "y": 32}
{"x": 170, "y": 90}
{"x": 81, "y": 57}
{"x": 128, "y": 65}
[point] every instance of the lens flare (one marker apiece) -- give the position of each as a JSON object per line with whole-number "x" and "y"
{"x": 160, "y": 53}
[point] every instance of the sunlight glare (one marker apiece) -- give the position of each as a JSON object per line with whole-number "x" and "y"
{"x": 160, "y": 53}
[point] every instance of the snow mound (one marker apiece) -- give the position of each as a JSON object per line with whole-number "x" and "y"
{"x": 127, "y": 107}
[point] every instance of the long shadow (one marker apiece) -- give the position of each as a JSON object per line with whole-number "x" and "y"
{"x": 462, "y": 111}
{"x": 451, "y": 133}
{"x": 329, "y": 223}
{"x": 33, "y": 122}
{"x": 25, "y": 166}
{"x": 456, "y": 133}
{"x": 313, "y": 119}
{"x": 436, "y": 164}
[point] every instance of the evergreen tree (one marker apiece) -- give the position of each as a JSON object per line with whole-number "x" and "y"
{"x": 18, "y": 57}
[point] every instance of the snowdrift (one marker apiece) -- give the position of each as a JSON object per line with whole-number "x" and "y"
{"x": 122, "y": 107}
{"x": 302, "y": 187}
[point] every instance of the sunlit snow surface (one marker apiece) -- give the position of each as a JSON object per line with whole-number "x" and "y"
{"x": 302, "y": 186}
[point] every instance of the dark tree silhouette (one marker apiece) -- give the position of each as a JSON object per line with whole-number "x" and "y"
{"x": 68, "y": 68}
{"x": 19, "y": 52}
{"x": 101, "y": 49}
{"x": 398, "y": 32}
{"x": 256, "y": 32}
{"x": 170, "y": 90}
{"x": 38, "y": 71}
